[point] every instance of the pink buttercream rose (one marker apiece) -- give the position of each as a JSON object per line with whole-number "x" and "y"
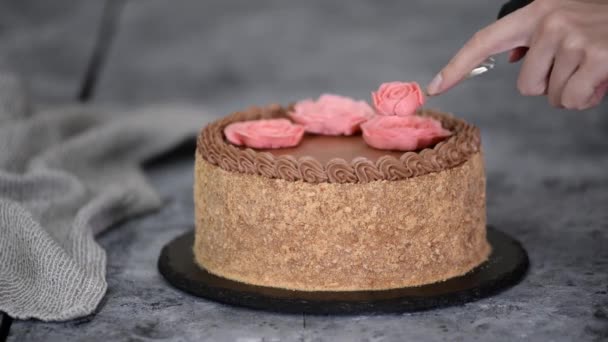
{"x": 331, "y": 115}
{"x": 398, "y": 98}
{"x": 403, "y": 133}
{"x": 273, "y": 133}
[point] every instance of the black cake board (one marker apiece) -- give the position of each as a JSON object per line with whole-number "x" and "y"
{"x": 505, "y": 267}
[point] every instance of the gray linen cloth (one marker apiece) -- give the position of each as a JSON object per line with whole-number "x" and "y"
{"x": 66, "y": 174}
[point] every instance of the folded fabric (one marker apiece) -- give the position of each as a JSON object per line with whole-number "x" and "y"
{"x": 66, "y": 174}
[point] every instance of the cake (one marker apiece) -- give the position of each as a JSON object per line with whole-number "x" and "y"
{"x": 333, "y": 213}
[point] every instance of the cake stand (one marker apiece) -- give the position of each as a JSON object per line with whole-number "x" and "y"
{"x": 505, "y": 267}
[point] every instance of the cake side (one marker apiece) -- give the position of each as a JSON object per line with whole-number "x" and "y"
{"x": 339, "y": 237}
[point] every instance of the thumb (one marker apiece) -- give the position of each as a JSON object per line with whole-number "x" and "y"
{"x": 510, "y": 32}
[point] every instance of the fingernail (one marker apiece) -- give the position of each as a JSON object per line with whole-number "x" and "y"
{"x": 433, "y": 87}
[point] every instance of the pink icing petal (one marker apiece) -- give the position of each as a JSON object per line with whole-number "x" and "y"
{"x": 403, "y": 143}
{"x": 375, "y": 99}
{"x": 420, "y": 93}
{"x": 398, "y": 98}
{"x": 331, "y": 115}
{"x": 231, "y": 132}
{"x": 403, "y": 133}
{"x": 385, "y": 107}
{"x": 398, "y": 93}
{"x": 428, "y": 137}
{"x": 272, "y": 133}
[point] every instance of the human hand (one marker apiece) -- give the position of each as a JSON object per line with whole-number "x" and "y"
{"x": 564, "y": 44}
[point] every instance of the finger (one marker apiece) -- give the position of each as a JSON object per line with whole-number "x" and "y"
{"x": 586, "y": 85}
{"x": 517, "y": 54}
{"x": 539, "y": 60}
{"x": 566, "y": 62}
{"x": 547, "y": 81}
{"x": 503, "y": 35}
{"x": 599, "y": 94}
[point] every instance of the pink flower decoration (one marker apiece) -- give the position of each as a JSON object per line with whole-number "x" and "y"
{"x": 331, "y": 115}
{"x": 403, "y": 133}
{"x": 398, "y": 98}
{"x": 273, "y": 133}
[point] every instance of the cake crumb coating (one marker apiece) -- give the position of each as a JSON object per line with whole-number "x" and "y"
{"x": 340, "y": 237}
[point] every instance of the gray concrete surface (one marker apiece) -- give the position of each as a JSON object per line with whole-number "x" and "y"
{"x": 547, "y": 178}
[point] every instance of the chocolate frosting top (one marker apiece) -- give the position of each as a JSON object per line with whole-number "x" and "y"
{"x": 324, "y": 148}
{"x": 335, "y": 159}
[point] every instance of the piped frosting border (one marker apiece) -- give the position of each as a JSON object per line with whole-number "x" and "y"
{"x": 455, "y": 150}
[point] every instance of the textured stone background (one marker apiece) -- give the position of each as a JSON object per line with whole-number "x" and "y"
{"x": 547, "y": 178}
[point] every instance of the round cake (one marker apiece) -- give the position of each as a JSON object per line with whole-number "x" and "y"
{"x": 334, "y": 214}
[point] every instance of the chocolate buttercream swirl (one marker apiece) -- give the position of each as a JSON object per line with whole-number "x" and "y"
{"x": 213, "y": 156}
{"x": 475, "y": 138}
{"x": 229, "y": 159}
{"x": 453, "y": 154}
{"x": 455, "y": 150}
{"x": 264, "y": 164}
{"x": 201, "y": 147}
{"x": 212, "y": 153}
{"x": 366, "y": 171}
{"x": 311, "y": 170}
{"x": 246, "y": 161}
{"x": 392, "y": 168}
{"x": 235, "y": 117}
{"x": 458, "y": 125}
{"x": 274, "y": 110}
{"x": 340, "y": 171}
{"x": 462, "y": 141}
{"x": 286, "y": 167}
{"x": 415, "y": 163}
{"x": 434, "y": 159}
